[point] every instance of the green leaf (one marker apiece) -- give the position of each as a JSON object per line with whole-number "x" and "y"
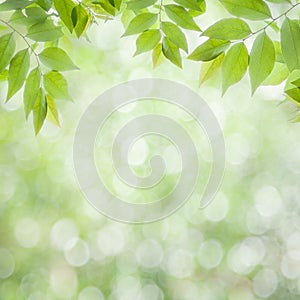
{"x": 262, "y": 60}
{"x": 39, "y": 111}
{"x": 279, "y": 1}
{"x": 140, "y": 23}
{"x": 181, "y": 17}
{"x": 4, "y": 75}
{"x": 147, "y": 40}
{"x": 209, "y": 50}
{"x": 45, "y": 4}
{"x": 209, "y": 69}
{"x": 81, "y": 18}
{"x": 140, "y": 4}
{"x": 17, "y": 72}
{"x": 56, "y": 85}
{"x": 44, "y": 32}
{"x": 235, "y": 65}
{"x": 171, "y": 52}
{"x": 249, "y": 9}
{"x": 291, "y": 89}
{"x": 290, "y": 43}
{"x": 14, "y": 4}
{"x": 175, "y": 35}
{"x": 196, "y": 5}
{"x": 228, "y": 29}
{"x": 57, "y": 59}
{"x": 31, "y": 90}
{"x": 64, "y": 9}
{"x": 7, "y": 49}
{"x": 36, "y": 14}
{"x": 52, "y": 110}
{"x": 157, "y": 55}
{"x": 278, "y": 75}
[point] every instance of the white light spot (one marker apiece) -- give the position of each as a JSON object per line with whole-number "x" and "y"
{"x": 63, "y": 231}
{"x": 27, "y": 232}
{"x": 149, "y": 254}
{"x": 76, "y": 252}
{"x": 90, "y": 293}
{"x": 218, "y": 209}
{"x": 7, "y": 263}
{"x": 180, "y": 263}
{"x": 268, "y": 201}
{"x": 210, "y": 254}
{"x": 265, "y": 283}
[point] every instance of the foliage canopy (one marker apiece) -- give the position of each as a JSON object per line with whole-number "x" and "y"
{"x": 270, "y": 54}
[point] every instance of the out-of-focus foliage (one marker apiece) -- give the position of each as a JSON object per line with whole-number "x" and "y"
{"x": 263, "y": 36}
{"x": 245, "y": 245}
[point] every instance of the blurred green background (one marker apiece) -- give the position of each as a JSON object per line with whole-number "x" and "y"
{"x": 245, "y": 245}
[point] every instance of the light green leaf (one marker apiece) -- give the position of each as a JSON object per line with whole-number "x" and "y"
{"x": 39, "y": 111}
{"x": 279, "y": 1}
{"x": 262, "y": 60}
{"x": 249, "y": 9}
{"x": 52, "y": 110}
{"x": 14, "y": 4}
{"x": 157, "y": 55}
{"x": 81, "y": 20}
{"x": 147, "y": 40}
{"x": 234, "y": 66}
{"x": 17, "y": 72}
{"x": 175, "y": 35}
{"x": 57, "y": 59}
{"x": 209, "y": 69}
{"x": 31, "y": 90}
{"x": 140, "y": 23}
{"x": 7, "y": 49}
{"x": 278, "y": 75}
{"x": 196, "y": 5}
{"x": 140, "y": 4}
{"x": 171, "y": 52}
{"x": 209, "y": 50}
{"x": 181, "y": 17}
{"x": 45, "y": 4}
{"x": 56, "y": 85}
{"x": 64, "y": 9}
{"x": 228, "y": 29}
{"x": 290, "y": 43}
{"x": 44, "y": 32}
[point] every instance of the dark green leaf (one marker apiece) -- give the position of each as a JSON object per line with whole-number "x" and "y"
{"x": 45, "y": 4}
{"x": 64, "y": 9}
{"x": 82, "y": 18}
{"x": 36, "y": 14}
